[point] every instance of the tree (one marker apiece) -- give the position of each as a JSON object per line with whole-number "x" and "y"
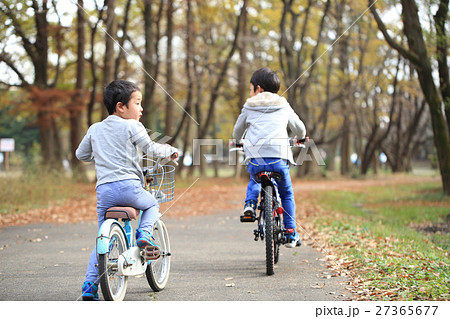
{"x": 440, "y": 19}
{"x": 169, "y": 70}
{"x": 418, "y": 56}
{"x": 109, "y": 60}
{"x": 78, "y": 104}
{"x": 151, "y": 60}
{"x": 302, "y": 28}
{"x": 35, "y": 41}
{"x": 93, "y": 64}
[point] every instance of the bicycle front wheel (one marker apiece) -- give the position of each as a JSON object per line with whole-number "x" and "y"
{"x": 268, "y": 230}
{"x": 157, "y": 272}
{"x": 113, "y": 285}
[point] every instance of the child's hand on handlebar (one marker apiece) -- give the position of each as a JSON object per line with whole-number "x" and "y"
{"x": 239, "y": 143}
{"x": 174, "y": 156}
{"x": 301, "y": 141}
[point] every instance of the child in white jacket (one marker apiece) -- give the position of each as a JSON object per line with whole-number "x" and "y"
{"x": 265, "y": 118}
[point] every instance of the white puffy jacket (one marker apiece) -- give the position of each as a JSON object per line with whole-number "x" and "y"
{"x": 266, "y": 117}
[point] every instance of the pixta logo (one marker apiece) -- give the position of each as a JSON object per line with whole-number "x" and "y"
{"x": 214, "y": 151}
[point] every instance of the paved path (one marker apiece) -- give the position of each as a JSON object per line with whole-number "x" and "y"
{"x": 214, "y": 258}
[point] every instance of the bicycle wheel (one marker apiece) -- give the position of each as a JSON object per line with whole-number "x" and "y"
{"x": 113, "y": 285}
{"x": 268, "y": 230}
{"x": 157, "y": 272}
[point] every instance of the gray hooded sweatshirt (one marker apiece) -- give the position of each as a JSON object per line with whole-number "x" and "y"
{"x": 264, "y": 120}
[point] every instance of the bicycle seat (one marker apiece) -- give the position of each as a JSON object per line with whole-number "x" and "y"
{"x": 262, "y": 175}
{"x": 122, "y": 212}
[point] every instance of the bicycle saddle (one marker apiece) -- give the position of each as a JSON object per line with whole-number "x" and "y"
{"x": 122, "y": 212}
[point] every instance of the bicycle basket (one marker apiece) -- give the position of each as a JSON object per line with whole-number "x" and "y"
{"x": 160, "y": 182}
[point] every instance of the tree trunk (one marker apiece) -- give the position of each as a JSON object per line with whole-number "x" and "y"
{"x": 109, "y": 61}
{"x": 243, "y": 84}
{"x": 442, "y": 48}
{"x": 342, "y": 48}
{"x": 124, "y": 25}
{"x": 169, "y": 71}
{"x": 50, "y": 147}
{"x": 93, "y": 68}
{"x": 416, "y": 44}
{"x": 345, "y": 147}
{"x": 79, "y": 101}
{"x": 151, "y": 63}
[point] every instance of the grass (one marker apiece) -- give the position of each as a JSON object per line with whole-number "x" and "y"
{"x": 36, "y": 188}
{"x": 381, "y": 233}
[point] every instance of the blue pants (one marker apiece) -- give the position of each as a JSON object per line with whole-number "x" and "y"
{"x": 123, "y": 193}
{"x": 285, "y": 190}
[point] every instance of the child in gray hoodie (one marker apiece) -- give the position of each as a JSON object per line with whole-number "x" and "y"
{"x": 113, "y": 145}
{"x": 264, "y": 120}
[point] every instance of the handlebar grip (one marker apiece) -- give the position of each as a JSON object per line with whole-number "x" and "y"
{"x": 303, "y": 140}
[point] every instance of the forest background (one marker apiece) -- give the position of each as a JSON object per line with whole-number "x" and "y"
{"x": 367, "y": 77}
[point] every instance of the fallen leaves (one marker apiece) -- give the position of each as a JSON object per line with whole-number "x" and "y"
{"x": 231, "y": 284}
{"x": 317, "y": 286}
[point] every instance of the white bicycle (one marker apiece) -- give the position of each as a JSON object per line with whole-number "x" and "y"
{"x": 118, "y": 255}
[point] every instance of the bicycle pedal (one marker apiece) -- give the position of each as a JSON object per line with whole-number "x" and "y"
{"x": 151, "y": 253}
{"x": 247, "y": 219}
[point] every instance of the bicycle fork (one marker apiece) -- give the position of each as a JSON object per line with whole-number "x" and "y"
{"x": 280, "y": 233}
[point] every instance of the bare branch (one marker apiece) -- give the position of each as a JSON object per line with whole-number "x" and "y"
{"x": 381, "y": 26}
{"x": 4, "y": 57}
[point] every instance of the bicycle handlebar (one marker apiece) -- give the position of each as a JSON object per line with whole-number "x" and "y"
{"x": 299, "y": 144}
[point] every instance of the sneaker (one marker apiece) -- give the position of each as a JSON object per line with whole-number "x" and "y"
{"x": 249, "y": 208}
{"x": 293, "y": 239}
{"x": 249, "y": 211}
{"x": 89, "y": 291}
{"x": 144, "y": 239}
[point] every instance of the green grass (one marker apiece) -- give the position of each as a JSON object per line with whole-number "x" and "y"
{"x": 381, "y": 231}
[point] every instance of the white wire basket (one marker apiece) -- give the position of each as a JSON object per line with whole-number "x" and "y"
{"x": 160, "y": 181}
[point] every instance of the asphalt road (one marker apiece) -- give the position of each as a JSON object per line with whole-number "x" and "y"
{"x": 214, "y": 258}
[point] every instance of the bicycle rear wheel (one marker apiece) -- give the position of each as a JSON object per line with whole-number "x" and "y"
{"x": 157, "y": 272}
{"x": 268, "y": 230}
{"x": 113, "y": 285}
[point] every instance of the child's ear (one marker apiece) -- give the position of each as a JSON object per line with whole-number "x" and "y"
{"x": 119, "y": 107}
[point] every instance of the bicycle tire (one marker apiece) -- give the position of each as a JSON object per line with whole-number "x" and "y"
{"x": 268, "y": 230}
{"x": 158, "y": 270}
{"x": 112, "y": 284}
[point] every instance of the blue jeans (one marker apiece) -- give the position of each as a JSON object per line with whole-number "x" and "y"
{"x": 127, "y": 192}
{"x": 285, "y": 190}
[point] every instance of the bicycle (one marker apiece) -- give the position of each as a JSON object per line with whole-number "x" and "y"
{"x": 269, "y": 220}
{"x": 118, "y": 255}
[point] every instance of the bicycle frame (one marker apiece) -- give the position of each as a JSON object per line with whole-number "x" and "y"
{"x": 269, "y": 178}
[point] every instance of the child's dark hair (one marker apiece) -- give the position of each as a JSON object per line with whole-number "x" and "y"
{"x": 267, "y": 79}
{"x": 118, "y": 91}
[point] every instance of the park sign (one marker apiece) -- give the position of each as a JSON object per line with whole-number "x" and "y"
{"x": 6, "y": 145}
